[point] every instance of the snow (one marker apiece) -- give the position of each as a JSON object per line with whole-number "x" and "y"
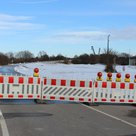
{"x": 71, "y": 71}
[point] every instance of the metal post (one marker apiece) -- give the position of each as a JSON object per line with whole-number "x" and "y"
{"x": 108, "y": 44}
{"x": 108, "y": 49}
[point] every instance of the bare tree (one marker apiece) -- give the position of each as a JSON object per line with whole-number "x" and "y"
{"x": 4, "y": 60}
{"x": 24, "y": 55}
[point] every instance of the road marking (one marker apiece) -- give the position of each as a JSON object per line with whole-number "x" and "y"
{"x": 3, "y": 125}
{"x": 106, "y": 114}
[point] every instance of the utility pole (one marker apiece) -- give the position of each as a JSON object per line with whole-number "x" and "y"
{"x": 129, "y": 57}
{"x": 108, "y": 42}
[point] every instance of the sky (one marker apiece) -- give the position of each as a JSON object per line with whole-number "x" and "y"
{"x": 68, "y": 27}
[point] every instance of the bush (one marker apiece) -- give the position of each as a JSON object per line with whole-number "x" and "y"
{"x": 110, "y": 68}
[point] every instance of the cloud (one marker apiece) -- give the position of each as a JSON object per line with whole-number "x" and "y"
{"x": 128, "y": 33}
{"x": 6, "y": 17}
{"x": 35, "y": 1}
{"x": 84, "y": 37}
{"x": 72, "y": 38}
{"x": 10, "y": 22}
{"x": 127, "y": 3}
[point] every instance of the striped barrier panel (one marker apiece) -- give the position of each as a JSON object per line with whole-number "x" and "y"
{"x": 67, "y": 90}
{"x": 114, "y": 92}
{"x": 16, "y": 87}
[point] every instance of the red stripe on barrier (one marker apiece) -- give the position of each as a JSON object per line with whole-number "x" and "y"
{"x": 11, "y": 80}
{"x": 1, "y": 79}
{"x": 72, "y": 82}
{"x": 122, "y": 85}
{"x": 30, "y": 80}
{"x": 82, "y": 83}
{"x": 44, "y": 97}
{"x": 10, "y": 96}
{"x": 104, "y": 84}
{"x": 39, "y": 81}
{"x": 90, "y": 84}
{"x": 89, "y": 100}
{"x": 20, "y": 96}
{"x": 131, "y": 86}
{"x": 130, "y": 100}
{"x": 53, "y": 81}
{"x": 103, "y": 100}
{"x": 38, "y": 96}
{"x": 112, "y": 100}
{"x": 81, "y": 99}
{"x": 1, "y": 96}
{"x": 122, "y": 100}
{"x": 30, "y": 96}
{"x": 63, "y": 83}
{"x": 113, "y": 85}
{"x": 45, "y": 81}
{"x": 52, "y": 97}
{"x": 96, "y": 84}
{"x": 71, "y": 98}
{"x": 95, "y": 100}
{"x": 20, "y": 80}
{"x": 62, "y": 98}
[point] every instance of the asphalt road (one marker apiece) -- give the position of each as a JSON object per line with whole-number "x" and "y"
{"x": 67, "y": 119}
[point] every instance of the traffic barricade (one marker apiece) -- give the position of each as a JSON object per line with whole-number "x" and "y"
{"x": 20, "y": 87}
{"x": 67, "y": 90}
{"x": 114, "y": 92}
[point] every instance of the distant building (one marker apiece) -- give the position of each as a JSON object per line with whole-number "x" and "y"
{"x": 132, "y": 60}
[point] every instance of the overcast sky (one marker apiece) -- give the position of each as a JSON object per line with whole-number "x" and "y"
{"x": 68, "y": 27}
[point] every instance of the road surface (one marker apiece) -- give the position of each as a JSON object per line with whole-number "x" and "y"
{"x": 66, "y": 119}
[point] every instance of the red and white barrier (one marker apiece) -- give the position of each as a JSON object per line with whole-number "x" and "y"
{"x": 114, "y": 92}
{"x": 23, "y": 87}
{"x": 68, "y": 90}
{"x": 16, "y": 87}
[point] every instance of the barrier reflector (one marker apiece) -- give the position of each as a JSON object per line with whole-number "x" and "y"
{"x": 63, "y": 82}
{"x": 90, "y": 84}
{"x": 122, "y": 85}
{"x": 72, "y": 83}
{"x": 21, "y": 80}
{"x": 45, "y": 81}
{"x": 10, "y": 79}
{"x": 20, "y": 96}
{"x": 131, "y": 86}
{"x": 68, "y": 90}
{"x": 39, "y": 81}
{"x": 53, "y": 81}
{"x": 30, "y": 80}
{"x": 82, "y": 83}
{"x": 104, "y": 84}
{"x": 1, "y": 79}
{"x": 113, "y": 85}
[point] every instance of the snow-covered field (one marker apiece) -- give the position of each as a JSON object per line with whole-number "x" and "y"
{"x": 71, "y": 71}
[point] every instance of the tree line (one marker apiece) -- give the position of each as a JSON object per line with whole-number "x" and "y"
{"x": 103, "y": 58}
